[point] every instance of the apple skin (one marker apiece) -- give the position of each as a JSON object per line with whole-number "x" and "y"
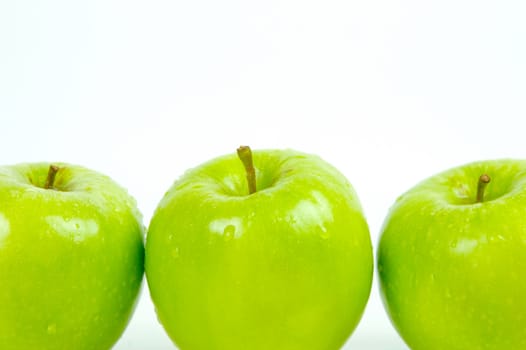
{"x": 288, "y": 267}
{"x": 452, "y": 271}
{"x": 71, "y": 259}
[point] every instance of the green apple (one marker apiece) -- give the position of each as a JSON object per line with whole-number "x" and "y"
{"x": 282, "y": 263}
{"x": 452, "y": 259}
{"x": 71, "y": 258}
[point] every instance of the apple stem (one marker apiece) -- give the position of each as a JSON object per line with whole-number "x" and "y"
{"x": 52, "y": 173}
{"x": 484, "y": 180}
{"x": 245, "y": 155}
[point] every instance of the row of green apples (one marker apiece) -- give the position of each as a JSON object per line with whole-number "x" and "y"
{"x": 268, "y": 250}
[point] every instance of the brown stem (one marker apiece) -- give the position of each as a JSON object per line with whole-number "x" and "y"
{"x": 245, "y": 155}
{"x": 484, "y": 180}
{"x": 52, "y": 173}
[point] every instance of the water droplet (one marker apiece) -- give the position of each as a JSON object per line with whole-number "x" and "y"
{"x": 229, "y": 232}
{"x": 175, "y": 252}
{"x": 170, "y": 237}
{"x": 323, "y": 232}
{"x": 52, "y": 329}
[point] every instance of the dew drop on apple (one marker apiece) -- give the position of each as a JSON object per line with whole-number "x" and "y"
{"x": 52, "y": 329}
{"x": 323, "y": 232}
{"x": 175, "y": 253}
{"x": 229, "y": 232}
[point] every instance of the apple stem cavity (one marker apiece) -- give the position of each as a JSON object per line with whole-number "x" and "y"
{"x": 245, "y": 155}
{"x": 484, "y": 180}
{"x": 52, "y": 173}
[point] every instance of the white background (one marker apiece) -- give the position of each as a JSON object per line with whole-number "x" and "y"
{"x": 390, "y": 92}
